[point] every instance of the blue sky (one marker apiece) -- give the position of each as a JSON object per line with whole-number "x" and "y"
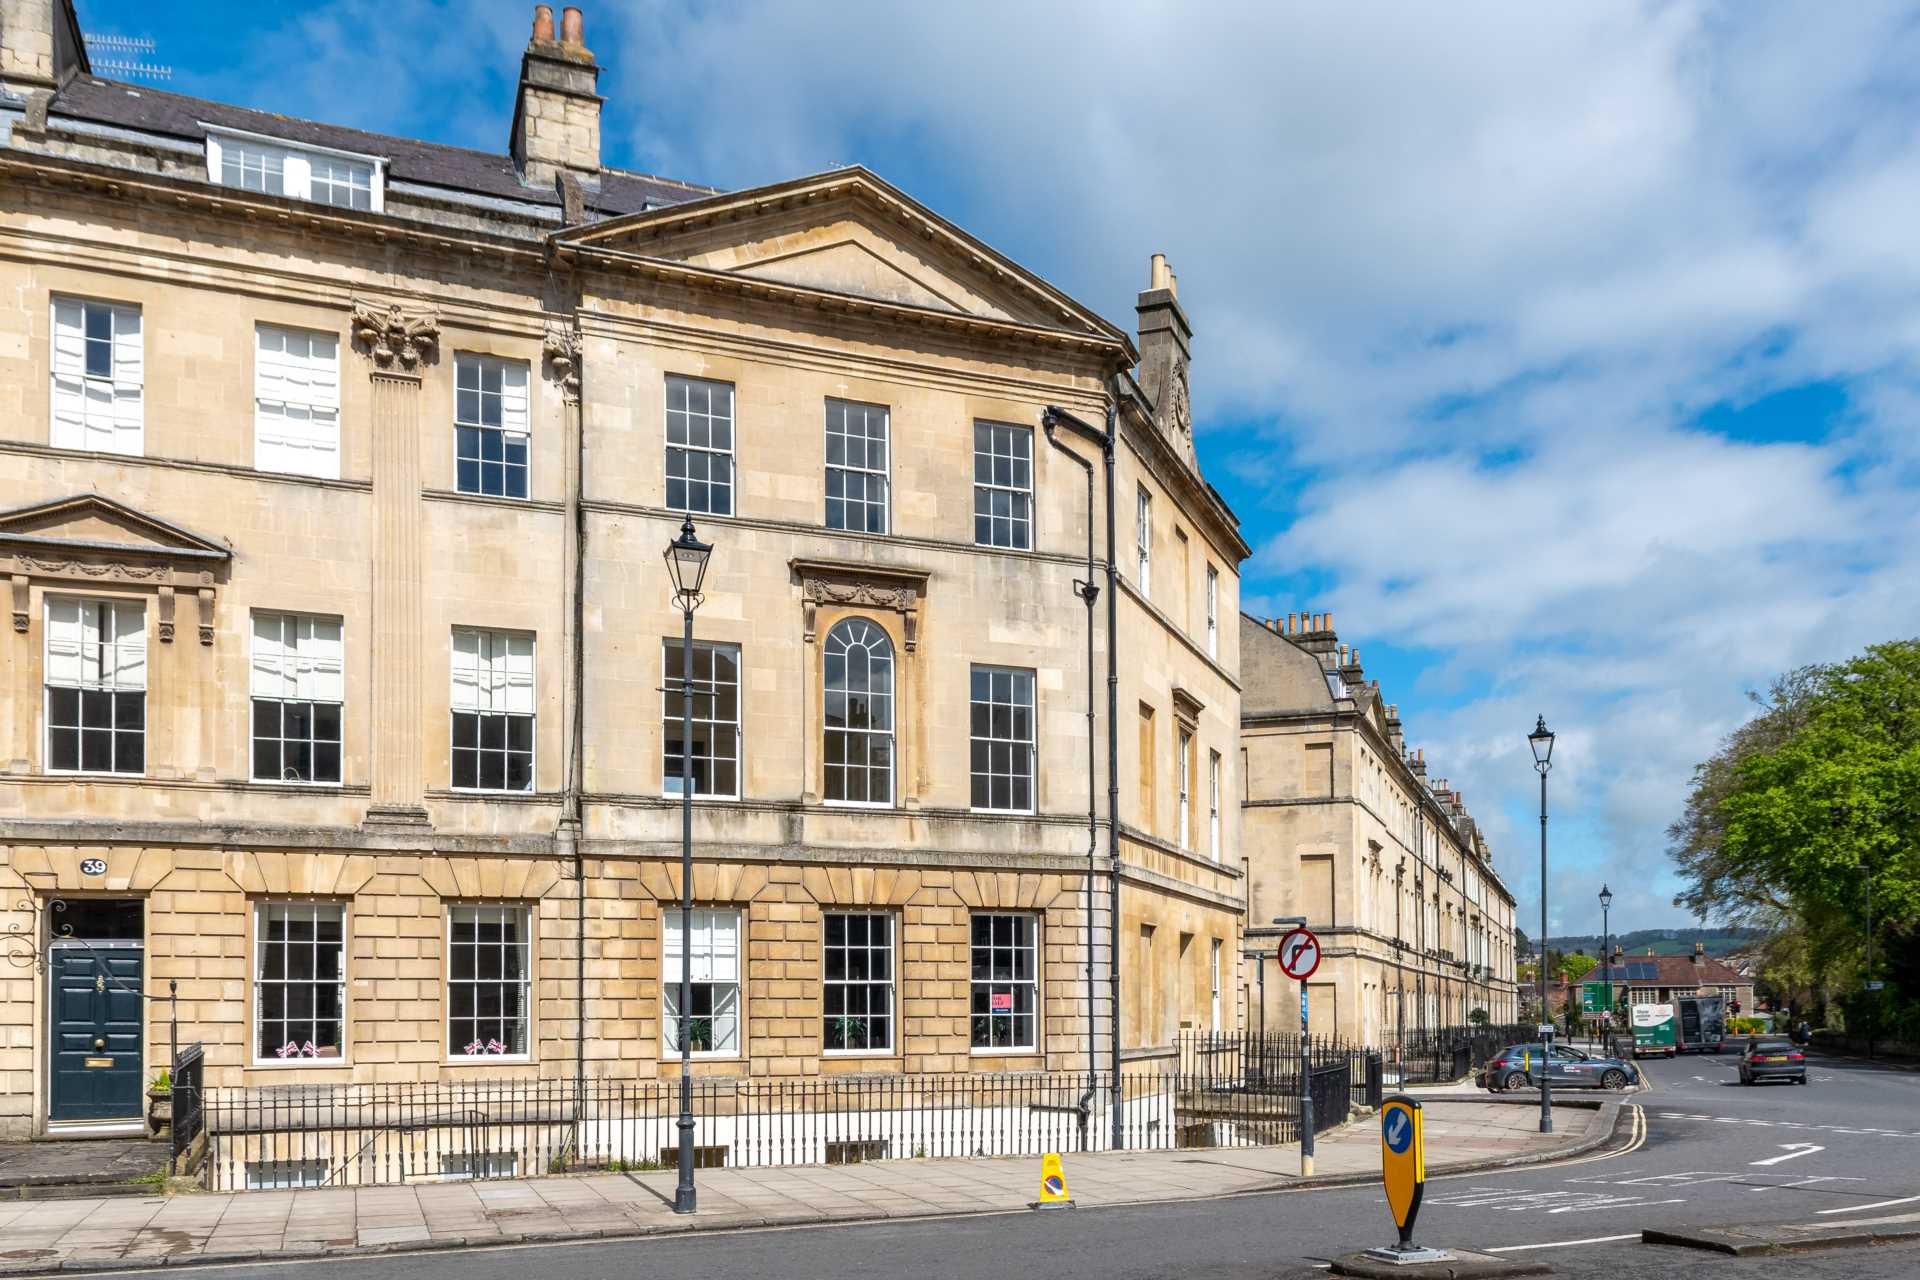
{"x": 1567, "y": 354}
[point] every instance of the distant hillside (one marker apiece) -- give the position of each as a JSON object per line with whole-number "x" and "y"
{"x": 1665, "y": 942}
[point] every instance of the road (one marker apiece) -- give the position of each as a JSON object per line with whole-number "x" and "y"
{"x": 1703, "y": 1150}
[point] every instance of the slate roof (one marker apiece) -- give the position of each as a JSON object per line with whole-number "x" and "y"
{"x": 147, "y": 110}
{"x": 1670, "y": 971}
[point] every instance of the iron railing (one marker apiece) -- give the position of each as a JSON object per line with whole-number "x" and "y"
{"x": 382, "y": 1134}
{"x": 189, "y": 1073}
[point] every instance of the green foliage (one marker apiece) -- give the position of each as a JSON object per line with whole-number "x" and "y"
{"x": 1745, "y": 1026}
{"x": 163, "y": 1082}
{"x": 1807, "y": 806}
{"x": 1478, "y": 1017}
{"x": 1576, "y": 966}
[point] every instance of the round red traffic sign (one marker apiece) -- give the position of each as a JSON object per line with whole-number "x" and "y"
{"x": 1299, "y": 954}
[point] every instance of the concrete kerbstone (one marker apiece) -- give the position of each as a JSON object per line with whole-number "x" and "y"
{"x": 1464, "y": 1265}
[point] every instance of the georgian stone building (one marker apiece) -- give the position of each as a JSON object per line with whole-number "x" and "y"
{"x": 341, "y": 685}
{"x": 1341, "y": 824}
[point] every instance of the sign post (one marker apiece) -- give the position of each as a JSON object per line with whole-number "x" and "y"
{"x": 1403, "y": 1171}
{"x": 1299, "y": 957}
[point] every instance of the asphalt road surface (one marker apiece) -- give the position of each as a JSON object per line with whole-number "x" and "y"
{"x": 1702, "y": 1150}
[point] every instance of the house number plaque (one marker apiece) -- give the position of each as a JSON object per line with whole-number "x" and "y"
{"x": 93, "y": 866}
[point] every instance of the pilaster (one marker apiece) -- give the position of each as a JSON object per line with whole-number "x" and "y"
{"x": 396, "y": 342}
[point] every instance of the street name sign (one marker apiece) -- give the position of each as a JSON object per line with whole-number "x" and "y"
{"x": 1299, "y": 954}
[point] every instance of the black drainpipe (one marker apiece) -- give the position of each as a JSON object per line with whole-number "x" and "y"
{"x": 1105, "y": 439}
{"x": 1088, "y": 593}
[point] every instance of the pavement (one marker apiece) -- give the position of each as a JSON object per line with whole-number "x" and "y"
{"x": 26, "y": 1167}
{"x": 237, "y": 1227}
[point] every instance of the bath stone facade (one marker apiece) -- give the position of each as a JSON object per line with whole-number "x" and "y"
{"x": 339, "y": 697}
{"x": 1342, "y": 825}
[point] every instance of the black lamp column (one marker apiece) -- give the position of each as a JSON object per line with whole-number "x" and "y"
{"x": 687, "y": 558}
{"x": 1606, "y": 939}
{"x": 1541, "y": 740}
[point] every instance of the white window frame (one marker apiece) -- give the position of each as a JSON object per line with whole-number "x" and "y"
{"x": 122, "y": 389}
{"x": 876, "y": 702}
{"x": 257, "y": 966}
{"x": 670, "y": 975}
{"x": 1214, "y": 977}
{"x": 306, "y": 675}
{"x": 990, "y": 740}
{"x": 296, "y": 165}
{"x": 1036, "y": 948}
{"x": 320, "y": 404}
{"x": 707, "y": 689}
{"x": 525, "y": 945}
{"x": 1214, "y": 767}
{"x": 1185, "y": 776}
{"x": 1143, "y": 541}
{"x": 494, "y": 685}
{"x": 709, "y": 449}
{"x": 1019, "y": 495}
{"x": 882, "y": 475}
{"x": 892, "y": 983}
{"x": 1213, "y": 613}
{"x": 514, "y": 410}
{"x": 122, "y": 650}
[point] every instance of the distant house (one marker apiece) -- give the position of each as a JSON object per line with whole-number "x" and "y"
{"x": 1652, "y": 979}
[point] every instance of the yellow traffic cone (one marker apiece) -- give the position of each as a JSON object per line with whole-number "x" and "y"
{"x": 1053, "y": 1184}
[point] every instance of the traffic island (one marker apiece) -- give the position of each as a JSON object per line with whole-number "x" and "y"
{"x": 1460, "y": 1264}
{"x": 1762, "y": 1239}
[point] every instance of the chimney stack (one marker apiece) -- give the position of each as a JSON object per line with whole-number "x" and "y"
{"x": 1699, "y": 953}
{"x": 40, "y": 45}
{"x": 556, "y": 118}
{"x": 1165, "y": 351}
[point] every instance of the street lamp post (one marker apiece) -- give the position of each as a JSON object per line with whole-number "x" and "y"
{"x": 687, "y": 558}
{"x": 1606, "y": 937}
{"x": 1541, "y": 740}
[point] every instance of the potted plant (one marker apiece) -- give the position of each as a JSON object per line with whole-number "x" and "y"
{"x": 699, "y": 1034}
{"x": 160, "y": 1105}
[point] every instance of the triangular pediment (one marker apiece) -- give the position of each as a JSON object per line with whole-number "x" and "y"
{"x": 845, "y": 234}
{"x": 88, "y": 523}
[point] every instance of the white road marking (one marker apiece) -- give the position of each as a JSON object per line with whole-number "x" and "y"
{"x": 1560, "y": 1244}
{"x": 1788, "y": 1124}
{"x": 1878, "y": 1204}
{"x": 1794, "y": 1151}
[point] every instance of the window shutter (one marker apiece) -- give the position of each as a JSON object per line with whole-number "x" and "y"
{"x": 66, "y": 641}
{"x": 321, "y": 665}
{"x": 128, "y": 374}
{"x": 129, "y": 649}
{"x": 466, "y": 670}
{"x": 69, "y": 382}
{"x": 269, "y": 647}
{"x": 513, "y": 396}
{"x": 513, "y": 656}
{"x": 297, "y": 402}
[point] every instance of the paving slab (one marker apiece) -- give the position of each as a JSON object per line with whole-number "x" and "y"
{"x": 1463, "y": 1265}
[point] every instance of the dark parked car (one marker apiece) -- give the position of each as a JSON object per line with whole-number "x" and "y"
{"x": 1772, "y": 1060}
{"x": 1567, "y": 1068}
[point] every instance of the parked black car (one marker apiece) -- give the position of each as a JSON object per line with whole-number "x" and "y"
{"x": 1772, "y": 1060}
{"x": 1519, "y": 1067}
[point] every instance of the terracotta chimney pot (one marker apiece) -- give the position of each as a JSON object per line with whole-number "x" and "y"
{"x": 572, "y": 27}
{"x": 543, "y": 22}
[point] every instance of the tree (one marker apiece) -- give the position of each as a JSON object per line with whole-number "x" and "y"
{"x": 1576, "y": 965}
{"x": 1805, "y": 807}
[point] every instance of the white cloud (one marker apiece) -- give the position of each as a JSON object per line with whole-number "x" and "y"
{"x": 1573, "y": 226}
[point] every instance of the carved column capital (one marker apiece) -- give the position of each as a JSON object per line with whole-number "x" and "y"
{"x": 395, "y": 337}
{"x": 564, "y": 345}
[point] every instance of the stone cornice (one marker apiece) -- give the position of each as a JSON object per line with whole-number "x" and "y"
{"x": 1006, "y": 332}
{"x": 198, "y": 196}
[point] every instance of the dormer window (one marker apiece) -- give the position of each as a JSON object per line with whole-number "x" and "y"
{"x": 250, "y": 162}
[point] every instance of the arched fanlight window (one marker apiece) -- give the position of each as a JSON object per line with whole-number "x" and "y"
{"x": 859, "y": 713}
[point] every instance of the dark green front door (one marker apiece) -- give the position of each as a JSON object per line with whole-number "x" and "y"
{"x": 96, "y": 1031}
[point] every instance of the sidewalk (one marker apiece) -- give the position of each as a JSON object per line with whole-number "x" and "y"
{"x": 236, "y": 1227}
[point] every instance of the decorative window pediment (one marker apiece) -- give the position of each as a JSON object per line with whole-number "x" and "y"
{"x": 90, "y": 540}
{"x": 837, "y": 582}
